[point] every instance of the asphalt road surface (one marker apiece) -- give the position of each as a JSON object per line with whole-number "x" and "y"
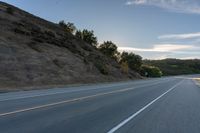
{"x": 165, "y": 105}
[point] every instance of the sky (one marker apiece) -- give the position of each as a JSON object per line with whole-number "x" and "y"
{"x": 155, "y": 29}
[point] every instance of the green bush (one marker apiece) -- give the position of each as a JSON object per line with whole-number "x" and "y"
{"x": 102, "y": 67}
{"x": 109, "y": 48}
{"x": 68, "y": 27}
{"x": 87, "y": 36}
{"x": 9, "y": 10}
{"x": 150, "y": 71}
{"x": 134, "y": 61}
{"x": 79, "y": 34}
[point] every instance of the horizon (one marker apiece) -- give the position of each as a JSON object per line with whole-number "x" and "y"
{"x": 144, "y": 27}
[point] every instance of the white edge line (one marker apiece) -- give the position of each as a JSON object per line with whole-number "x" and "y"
{"x": 72, "y": 100}
{"x": 142, "y": 109}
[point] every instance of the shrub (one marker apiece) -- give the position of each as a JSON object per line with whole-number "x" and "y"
{"x": 58, "y": 63}
{"x": 134, "y": 61}
{"x": 87, "y": 36}
{"x": 109, "y": 48}
{"x": 37, "y": 39}
{"x": 34, "y": 46}
{"x": 9, "y": 10}
{"x": 49, "y": 33}
{"x": 102, "y": 68}
{"x": 35, "y": 30}
{"x": 68, "y": 27}
{"x": 150, "y": 71}
{"x": 62, "y": 23}
{"x": 21, "y": 31}
{"x": 79, "y": 34}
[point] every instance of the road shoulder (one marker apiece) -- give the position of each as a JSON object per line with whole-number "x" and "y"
{"x": 197, "y": 81}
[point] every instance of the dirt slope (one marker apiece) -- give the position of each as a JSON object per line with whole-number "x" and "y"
{"x": 35, "y": 52}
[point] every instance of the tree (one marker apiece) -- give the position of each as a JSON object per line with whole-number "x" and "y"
{"x": 62, "y": 23}
{"x": 150, "y": 71}
{"x": 109, "y": 48}
{"x": 87, "y": 36}
{"x": 134, "y": 61}
{"x": 78, "y": 34}
{"x": 69, "y": 27}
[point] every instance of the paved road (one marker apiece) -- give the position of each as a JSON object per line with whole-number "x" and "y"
{"x": 165, "y": 105}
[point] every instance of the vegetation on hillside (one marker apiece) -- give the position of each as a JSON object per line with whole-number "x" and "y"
{"x": 132, "y": 61}
{"x": 108, "y": 48}
{"x": 42, "y": 53}
{"x": 68, "y": 27}
{"x": 150, "y": 71}
{"x": 176, "y": 66}
{"x": 10, "y": 10}
{"x": 96, "y": 58}
{"x": 87, "y": 36}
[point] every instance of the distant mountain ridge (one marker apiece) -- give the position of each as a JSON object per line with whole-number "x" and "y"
{"x": 176, "y": 66}
{"x": 35, "y": 52}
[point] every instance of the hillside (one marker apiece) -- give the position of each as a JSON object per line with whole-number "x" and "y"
{"x": 35, "y": 52}
{"x": 176, "y": 66}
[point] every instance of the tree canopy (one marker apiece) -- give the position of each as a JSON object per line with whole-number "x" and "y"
{"x": 150, "y": 71}
{"x": 109, "y": 48}
{"x": 134, "y": 61}
{"x": 69, "y": 27}
{"x": 87, "y": 36}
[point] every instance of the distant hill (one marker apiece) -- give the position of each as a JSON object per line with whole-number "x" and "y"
{"x": 176, "y": 66}
{"x": 35, "y": 52}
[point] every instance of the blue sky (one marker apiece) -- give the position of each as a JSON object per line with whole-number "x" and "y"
{"x": 155, "y": 29}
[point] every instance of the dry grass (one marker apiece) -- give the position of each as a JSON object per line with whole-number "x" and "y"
{"x": 198, "y": 81}
{"x": 37, "y": 53}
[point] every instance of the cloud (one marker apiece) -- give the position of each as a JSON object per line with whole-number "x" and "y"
{"x": 190, "y": 57}
{"x": 162, "y": 51}
{"x": 181, "y": 36}
{"x": 181, "y": 6}
{"x": 159, "y": 48}
{"x": 137, "y": 2}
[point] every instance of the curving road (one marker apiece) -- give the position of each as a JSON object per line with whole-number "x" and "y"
{"x": 165, "y": 105}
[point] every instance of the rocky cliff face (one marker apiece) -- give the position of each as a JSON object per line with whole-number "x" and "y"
{"x": 35, "y": 52}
